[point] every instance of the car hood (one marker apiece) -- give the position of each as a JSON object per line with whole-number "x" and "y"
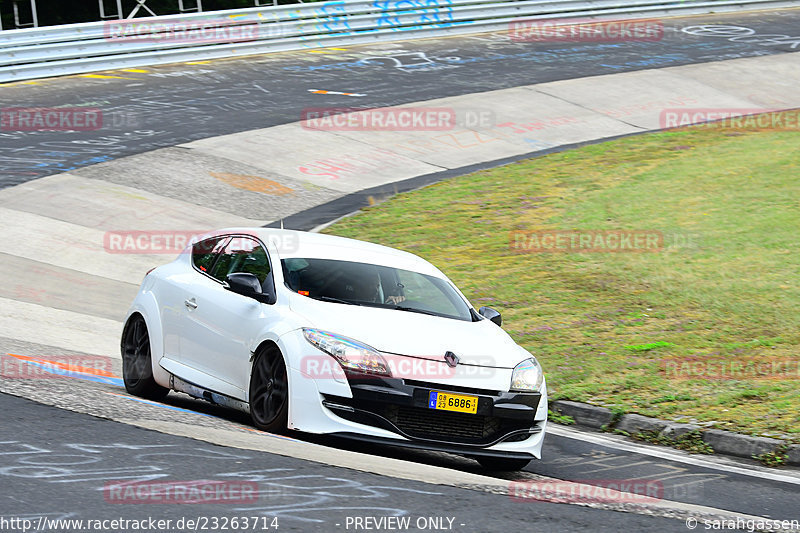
{"x": 406, "y": 333}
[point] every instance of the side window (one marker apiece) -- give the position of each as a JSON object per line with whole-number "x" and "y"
{"x": 242, "y": 254}
{"x": 204, "y": 252}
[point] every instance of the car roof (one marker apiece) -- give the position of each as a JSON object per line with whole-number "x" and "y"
{"x": 291, "y": 243}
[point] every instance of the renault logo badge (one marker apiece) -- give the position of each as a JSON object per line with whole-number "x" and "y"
{"x": 451, "y": 359}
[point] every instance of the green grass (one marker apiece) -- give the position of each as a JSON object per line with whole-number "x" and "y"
{"x": 774, "y": 459}
{"x": 558, "y": 418}
{"x": 606, "y": 326}
{"x": 649, "y": 346}
{"x": 693, "y": 443}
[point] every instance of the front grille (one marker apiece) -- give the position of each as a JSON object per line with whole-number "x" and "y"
{"x": 431, "y": 424}
{"x": 453, "y": 388}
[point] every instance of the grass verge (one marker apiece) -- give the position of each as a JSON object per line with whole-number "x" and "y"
{"x": 703, "y": 328}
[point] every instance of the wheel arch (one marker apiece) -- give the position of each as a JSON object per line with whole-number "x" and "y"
{"x": 267, "y": 342}
{"x": 271, "y": 342}
{"x": 263, "y": 344}
{"x": 274, "y": 336}
{"x": 146, "y": 306}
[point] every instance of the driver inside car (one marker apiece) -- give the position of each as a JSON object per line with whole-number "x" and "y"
{"x": 374, "y": 290}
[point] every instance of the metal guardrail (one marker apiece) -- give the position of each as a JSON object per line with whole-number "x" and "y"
{"x": 80, "y": 48}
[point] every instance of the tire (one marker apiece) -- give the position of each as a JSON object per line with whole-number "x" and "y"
{"x": 137, "y": 366}
{"x": 269, "y": 391}
{"x": 502, "y": 464}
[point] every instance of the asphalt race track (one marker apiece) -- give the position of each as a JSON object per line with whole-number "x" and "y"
{"x": 166, "y": 106}
{"x": 64, "y": 440}
{"x": 709, "y": 486}
{"x": 67, "y": 477}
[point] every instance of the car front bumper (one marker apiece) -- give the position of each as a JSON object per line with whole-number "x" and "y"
{"x": 401, "y": 406}
{"x": 395, "y": 411}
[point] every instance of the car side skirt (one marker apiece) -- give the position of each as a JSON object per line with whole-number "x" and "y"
{"x": 215, "y": 398}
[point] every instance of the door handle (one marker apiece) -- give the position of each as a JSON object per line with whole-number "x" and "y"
{"x": 191, "y": 304}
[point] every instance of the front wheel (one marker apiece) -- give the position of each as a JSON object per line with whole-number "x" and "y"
{"x": 269, "y": 391}
{"x": 137, "y": 366}
{"x": 502, "y": 464}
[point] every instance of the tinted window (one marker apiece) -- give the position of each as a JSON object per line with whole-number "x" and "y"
{"x": 427, "y": 289}
{"x": 204, "y": 252}
{"x": 242, "y": 254}
{"x": 375, "y": 286}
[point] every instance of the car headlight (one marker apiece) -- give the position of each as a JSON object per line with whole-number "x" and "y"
{"x": 527, "y": 376}
{"x": 351, "y": 354}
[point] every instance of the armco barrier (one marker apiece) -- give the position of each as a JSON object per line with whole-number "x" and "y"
{"x": 79, "y": 48}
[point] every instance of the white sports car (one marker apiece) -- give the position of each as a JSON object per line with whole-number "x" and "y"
{"x": 324, "y": 334}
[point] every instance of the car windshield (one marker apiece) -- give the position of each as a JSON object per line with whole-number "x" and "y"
{"x": 353, "y": 283}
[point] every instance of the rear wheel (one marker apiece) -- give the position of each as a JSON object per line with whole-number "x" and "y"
{"x": 269, "y": 391}
{"x": 502, "y": 464}
{"x": 137, "y": 366}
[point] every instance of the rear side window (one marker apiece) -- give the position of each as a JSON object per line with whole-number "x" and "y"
{"x": 205, "y": 252}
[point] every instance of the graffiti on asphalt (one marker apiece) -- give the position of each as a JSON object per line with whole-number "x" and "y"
{"x": 741, "y": 34}
{"x": 284, "y": 492}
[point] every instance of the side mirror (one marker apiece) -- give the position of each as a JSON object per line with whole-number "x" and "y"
{"x": 491, "y": 314}
{"x": 248, "y": 285}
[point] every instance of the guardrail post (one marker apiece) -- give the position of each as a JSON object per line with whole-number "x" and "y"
{"x": 104, "y": 16}
{"x": 198, "y": 7}
{"x": 34, "y": 16}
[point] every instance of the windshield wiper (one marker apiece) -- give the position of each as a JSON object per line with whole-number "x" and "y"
{"x": 334, "y": 300}
{"x": 414, "y": 310}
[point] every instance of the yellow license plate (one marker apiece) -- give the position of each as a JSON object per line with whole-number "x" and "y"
{"x": 446, "y": 401}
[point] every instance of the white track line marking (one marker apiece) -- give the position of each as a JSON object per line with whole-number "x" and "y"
{"x": 670, "y": 455}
